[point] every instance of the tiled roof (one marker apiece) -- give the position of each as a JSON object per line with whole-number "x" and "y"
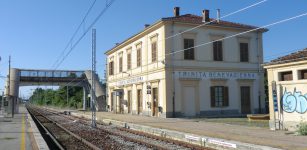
{"x": 194, "y": 19}
{"x": 296, "y": 56}
{"x": 189, "y": 18}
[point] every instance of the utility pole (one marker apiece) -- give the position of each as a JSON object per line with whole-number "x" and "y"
{"x": 2, "y": 99}
{"x": 93, "y": 72}
{"x": 10, "y": 98}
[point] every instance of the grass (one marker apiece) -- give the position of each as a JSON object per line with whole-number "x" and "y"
{"x": 239, "y": 121}
{"x": 8, "y": 138}
{"x": 302, "y": 130}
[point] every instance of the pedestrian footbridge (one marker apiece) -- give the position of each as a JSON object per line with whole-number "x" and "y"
{"x": 29, "y": 77}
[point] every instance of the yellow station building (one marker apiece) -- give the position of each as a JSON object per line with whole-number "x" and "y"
{"x": 171, "y": 70}
{"x": 287, "y": 77}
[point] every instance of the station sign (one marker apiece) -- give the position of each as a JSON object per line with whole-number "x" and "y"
{"x": 275, "y": 103}
{"x": 215, "y": 75}
{"x": 130, "y": 81}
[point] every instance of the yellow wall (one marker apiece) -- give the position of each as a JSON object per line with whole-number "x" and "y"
{"x": 291, "y": 95}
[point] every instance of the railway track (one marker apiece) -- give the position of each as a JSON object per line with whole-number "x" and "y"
{"x": 76, "y": 133}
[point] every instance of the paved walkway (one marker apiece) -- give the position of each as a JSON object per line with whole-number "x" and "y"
{"x": 254, "y": 135}
{"x": 14, "y": 132}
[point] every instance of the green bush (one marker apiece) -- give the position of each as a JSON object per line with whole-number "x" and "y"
{"x": 302, "y": 130}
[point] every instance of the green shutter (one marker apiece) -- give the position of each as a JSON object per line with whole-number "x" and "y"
{"x": 212, "y": 96}
{"x": 226, "y": 97}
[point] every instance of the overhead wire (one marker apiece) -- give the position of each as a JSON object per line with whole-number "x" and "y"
{"x": 85, "y": 32}
{"x": 206, "y": 23}
{"x": 213, "y": 20}
{"x": 241, "y": 33}
{"x": 75, "y": 33}
{"x": 234, "y": 35}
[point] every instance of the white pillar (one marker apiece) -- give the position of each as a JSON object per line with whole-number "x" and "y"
{"x": 84, "y": 98}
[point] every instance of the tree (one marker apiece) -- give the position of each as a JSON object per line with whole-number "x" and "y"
{"x": 58, "y": 97}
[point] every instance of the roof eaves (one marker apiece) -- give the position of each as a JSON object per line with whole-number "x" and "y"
{"x": 131, "y": 37}
{"x": 284, "y": 61}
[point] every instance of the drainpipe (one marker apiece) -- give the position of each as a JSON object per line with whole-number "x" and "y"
{"x": 173, "y": 71}
{"x": 106, "y": 88}
{"x": 148, "y": 83}
{"x": 259, "y": 73}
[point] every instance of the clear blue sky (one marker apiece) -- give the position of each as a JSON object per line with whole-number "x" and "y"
{"x": 35, "y": 32}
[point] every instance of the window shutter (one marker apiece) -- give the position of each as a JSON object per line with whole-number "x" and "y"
{"x": 304, "y": 74}
{"x": 191, "y": 44}
{"x": 153, "y": 51}
{"x": 186, "y": 45}
{"x": 226, "y": 97}
{"x": 214, "y": 50}
{"x": 212, "y": 96}
{"x": 220, "y": 49}
{"x": 129, "y": 61}
{"x": 189, "y": 49}
{"x": 244, "y": 52}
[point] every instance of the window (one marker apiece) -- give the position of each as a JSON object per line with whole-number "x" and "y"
{"x": 139, "y": 57}
{"x": 153, "y": 51}
{"x": 303, "y": 74}
{"x": 129, "y": 61}
{"x": 219, "y": 96}
{"x": 244, "y": 52}
{"x": 189, "y": 49}
{"x": 120, "y": 68}
{"x": 286, "y": 76}
{"x": 217, "y": 51}
{"x": 111, "y": 68}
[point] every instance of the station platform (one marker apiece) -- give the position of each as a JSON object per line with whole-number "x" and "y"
{"x": 220, "y": 135}
{"x": 20, "y": 132}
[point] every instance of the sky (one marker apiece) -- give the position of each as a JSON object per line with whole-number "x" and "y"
{"x": 35, "y": 32}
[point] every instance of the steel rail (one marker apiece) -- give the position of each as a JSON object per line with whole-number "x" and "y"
{"x": 134, "y": 140}
{"x": 46, "y": 130}
{"x": 84, "y": 141}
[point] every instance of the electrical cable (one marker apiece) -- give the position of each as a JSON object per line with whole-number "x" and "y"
{"x": 75, "y": 33}
{"x": 86, "y": 31}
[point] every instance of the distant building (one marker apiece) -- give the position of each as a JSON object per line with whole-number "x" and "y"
{"x": 154, "y": 74}
{"x": 287, "y": 75}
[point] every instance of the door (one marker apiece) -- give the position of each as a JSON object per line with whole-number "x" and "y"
{"x": 121, "y": 102}
{"x": 112, "y": 101}
{"x": 155, "y": 102}
{"x": 245, "y": 100}
{"x": 139, "y": 101}
{"x": 129, "y": 101}
{"x": 189, "y": 101}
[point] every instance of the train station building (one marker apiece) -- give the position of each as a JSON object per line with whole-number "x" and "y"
{"x": 169, "y": 70}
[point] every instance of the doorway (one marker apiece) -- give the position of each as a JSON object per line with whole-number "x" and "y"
{"x": 129, "y": 101}
{"x": 113, "y": 95}
{"x": 121, "y": 102}
{"x": 139, "y": 101}
{"x": 155, "y": 102}
{"x": 245, "y": 100}
{"x": 189, "y": 101}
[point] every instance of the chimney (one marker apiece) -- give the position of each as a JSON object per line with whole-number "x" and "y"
{"x": 206, "y": 16}
{"x": 146, "y": 25}
{"x": 176, "y": 11}
{"x": 218, "y": 15}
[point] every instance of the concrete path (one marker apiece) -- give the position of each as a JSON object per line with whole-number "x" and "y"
{"x": 14, "y": 132}
{"x": 253, "y": 135}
